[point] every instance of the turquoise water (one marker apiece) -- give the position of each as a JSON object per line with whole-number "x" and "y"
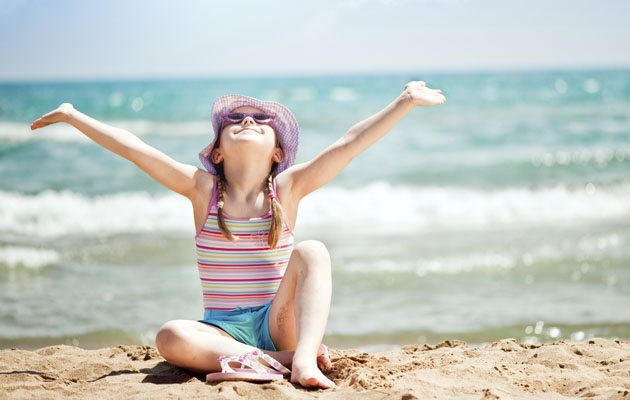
{"x": 504, "y": 212}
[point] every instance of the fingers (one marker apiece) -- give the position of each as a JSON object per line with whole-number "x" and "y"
{"x": 39, "y": 123}
{"x": 36, "y": 125}
{"x": 439, "y": 95}
{"x": 421, "y": 85}
{"x": 416, "y": 83}
{"x": 47, "y": 119}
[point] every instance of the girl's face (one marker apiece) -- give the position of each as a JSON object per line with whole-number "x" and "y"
{"x": 247, "y": 138}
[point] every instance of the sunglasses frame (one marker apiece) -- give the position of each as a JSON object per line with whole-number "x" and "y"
{"x": 224, "y": 118}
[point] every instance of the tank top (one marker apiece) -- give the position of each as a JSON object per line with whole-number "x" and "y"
{"x": 244, "y": 273}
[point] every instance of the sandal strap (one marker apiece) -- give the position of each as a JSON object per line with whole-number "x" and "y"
{"x": 242, "y": 359}
{"x": 252, "y": 360}
{"x": 271, "y": 361}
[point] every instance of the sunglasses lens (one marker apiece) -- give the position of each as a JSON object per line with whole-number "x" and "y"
{"x": 262, "y": 117}
{"x": 235, "y": 117}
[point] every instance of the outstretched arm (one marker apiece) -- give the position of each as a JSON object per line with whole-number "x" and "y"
{"x": 179, "y": 177}
{"x": 306, "y": 177}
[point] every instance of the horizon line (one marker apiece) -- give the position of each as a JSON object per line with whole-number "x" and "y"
{"x": 297, "y": 75}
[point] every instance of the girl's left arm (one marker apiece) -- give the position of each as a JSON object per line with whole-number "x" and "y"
{"x": 306, "y": 177}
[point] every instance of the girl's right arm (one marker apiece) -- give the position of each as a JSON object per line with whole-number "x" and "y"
{"x": 180, "y": 178}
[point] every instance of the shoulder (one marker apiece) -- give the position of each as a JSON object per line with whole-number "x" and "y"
{"x": 287, "y": 197}
{"x": 284, "y": 187}
{"x": 204, "y": 185}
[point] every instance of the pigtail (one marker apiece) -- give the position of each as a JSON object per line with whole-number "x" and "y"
{"x": 220, "y": 220}
{"x": 275, "y": 230}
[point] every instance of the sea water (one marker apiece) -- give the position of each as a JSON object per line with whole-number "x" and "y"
{"x": 504, "y": 212}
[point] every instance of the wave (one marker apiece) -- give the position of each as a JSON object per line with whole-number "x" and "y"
{"x": 432, "y": 207}
{"x": 53, "y": 214}
{"x": 28, "y": 257}
{"x": 21, "y": 132}
{"x": 374, "y": 208}
{"x": 492, "y": 259}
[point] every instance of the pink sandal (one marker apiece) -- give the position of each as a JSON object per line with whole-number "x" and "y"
{"x": 252, "y": 370}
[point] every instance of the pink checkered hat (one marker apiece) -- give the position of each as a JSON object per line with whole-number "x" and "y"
{"x": 284, "y": 124}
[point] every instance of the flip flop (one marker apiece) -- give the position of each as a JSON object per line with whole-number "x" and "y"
{"x": 252, "y": 370}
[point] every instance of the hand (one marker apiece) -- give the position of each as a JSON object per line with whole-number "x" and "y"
{"x": 60, "y": 114}
{"x": 419, "y": 94}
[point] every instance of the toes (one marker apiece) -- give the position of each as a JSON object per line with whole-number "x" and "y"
{"x": 324, "y": 363}
{"x": 315, "y": 382}
{"x": 323, "y": 359}
{"x": 311, "y": 382}
{"x": 330, "y": 383}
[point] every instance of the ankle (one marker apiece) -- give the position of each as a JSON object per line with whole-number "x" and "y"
{"x": 284, "y": 357}
{"x": 304, "y": 358}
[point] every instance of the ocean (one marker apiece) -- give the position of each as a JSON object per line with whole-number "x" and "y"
{"x": 504, "y": 212}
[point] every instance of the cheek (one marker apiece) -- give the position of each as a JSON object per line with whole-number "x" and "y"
{"x": 269, "y": 132}
{"x": 228, "y": 134}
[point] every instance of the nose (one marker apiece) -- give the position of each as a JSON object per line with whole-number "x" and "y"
{"x": 248, "y": 121}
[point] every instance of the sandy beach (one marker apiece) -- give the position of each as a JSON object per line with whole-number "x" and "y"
{"x": 595, "y": 368}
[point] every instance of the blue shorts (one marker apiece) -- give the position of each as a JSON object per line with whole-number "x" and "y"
{"x": 249, "y": 325}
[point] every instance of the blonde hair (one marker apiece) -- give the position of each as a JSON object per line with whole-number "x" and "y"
{"x": 277, "y": 214}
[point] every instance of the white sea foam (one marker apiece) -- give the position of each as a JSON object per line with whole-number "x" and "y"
{"x": 28, "y": 257}
{"x": 420, "y": 208}
{"x": 21, "y": 132}
{"x": 51, "y": 214}
{"x": 443, "y": 265}
{"x": 375, "y": 208}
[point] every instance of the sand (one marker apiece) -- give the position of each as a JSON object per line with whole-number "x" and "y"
{"x": 595, "y": 368}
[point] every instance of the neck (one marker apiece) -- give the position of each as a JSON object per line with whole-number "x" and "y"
{"x": 245, "y": 183}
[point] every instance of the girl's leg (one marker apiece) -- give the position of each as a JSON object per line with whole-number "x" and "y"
{"x": 299, "y": 311}
{"x": 196, "y": 346}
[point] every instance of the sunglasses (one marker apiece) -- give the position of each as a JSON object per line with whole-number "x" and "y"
{"x": 237, "y": 117}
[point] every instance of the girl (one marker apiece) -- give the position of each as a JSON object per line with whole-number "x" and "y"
{"x": 259, "y": 290}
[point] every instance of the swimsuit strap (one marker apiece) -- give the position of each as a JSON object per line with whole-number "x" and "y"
{"x": 275, "y": 191}
{"x": 215, "y": 190}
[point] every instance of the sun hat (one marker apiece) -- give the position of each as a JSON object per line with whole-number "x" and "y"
{"x": 284, "y": 124}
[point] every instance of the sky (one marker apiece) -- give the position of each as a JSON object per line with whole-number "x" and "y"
{"x": 77, "y": 39}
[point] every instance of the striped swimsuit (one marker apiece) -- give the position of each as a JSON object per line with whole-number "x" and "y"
{"x": 244, "y": 273}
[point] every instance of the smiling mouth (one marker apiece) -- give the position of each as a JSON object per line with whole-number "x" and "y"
{"x": 248, "y": 129}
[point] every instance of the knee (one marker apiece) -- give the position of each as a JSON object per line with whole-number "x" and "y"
{"x": 167, "y": 338}
{"x": 313, "y": 253}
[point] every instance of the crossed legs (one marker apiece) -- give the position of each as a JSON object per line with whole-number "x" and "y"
{"x": 297, "y": 320}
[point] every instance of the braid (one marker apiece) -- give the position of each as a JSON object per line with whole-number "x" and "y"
{"x": 275, "y": 230}
{"x": 220, "y": 203}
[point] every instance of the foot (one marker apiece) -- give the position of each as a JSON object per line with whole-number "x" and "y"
{"x": 323, "y": 360}
{"x": 285, "y": 357}
{"x": 306, "y": 373}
